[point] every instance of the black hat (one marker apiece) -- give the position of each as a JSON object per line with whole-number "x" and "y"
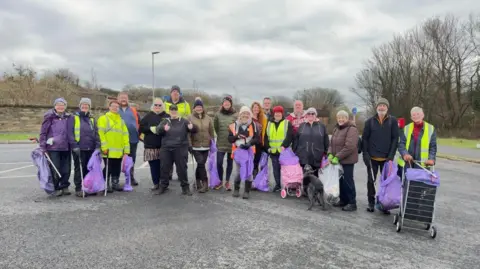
{"x": 173, "y": 107}
{"x": 228, "y": 98}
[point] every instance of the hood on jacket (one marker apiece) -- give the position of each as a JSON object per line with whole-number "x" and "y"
{"x": 51, "y": 113}
{"x": 229, "y": 112}
{"x": 168, "y": 99}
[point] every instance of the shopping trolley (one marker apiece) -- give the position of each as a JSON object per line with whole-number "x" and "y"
{"x": 417, "y": 204}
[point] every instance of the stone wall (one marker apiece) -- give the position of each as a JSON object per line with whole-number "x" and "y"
{"x": 28, "y": 118}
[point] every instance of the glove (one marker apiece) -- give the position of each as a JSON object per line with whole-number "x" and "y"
{"x": 50, "y": 141}
{"x": 153, "y": 129}
{"x": 76, "y": 151}
{"x": 245, "y": 146}
{"x": 190, "y": 149}
{"x": 335, "y": 160}
{"x": 330, "y": 157}
{"x": 366, "y": 159}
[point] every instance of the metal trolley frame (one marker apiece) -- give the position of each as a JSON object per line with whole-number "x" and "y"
{"x": 417, "y": 204}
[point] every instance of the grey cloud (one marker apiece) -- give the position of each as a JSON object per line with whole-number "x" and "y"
{"x": 121, "y": 55}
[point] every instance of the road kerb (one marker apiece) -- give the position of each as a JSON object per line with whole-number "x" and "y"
{"x": 457, "y": 158}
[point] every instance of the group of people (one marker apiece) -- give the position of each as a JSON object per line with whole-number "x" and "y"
{"x": 172, "y": 130}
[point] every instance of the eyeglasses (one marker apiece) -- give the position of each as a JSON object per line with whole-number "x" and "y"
{"x": 311, "y": 114}
{"x": 157, "y": 105}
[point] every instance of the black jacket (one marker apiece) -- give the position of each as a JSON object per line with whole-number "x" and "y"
{"x": 177, "y": 136}
{"x": 288, "y": 138}
{"x": 152, "y": 140}
{"x": 311, "y": 143}
{"x": 380, "y": 140}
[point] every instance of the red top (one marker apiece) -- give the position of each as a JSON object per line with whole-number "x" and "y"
{"x": 417, "y": 127}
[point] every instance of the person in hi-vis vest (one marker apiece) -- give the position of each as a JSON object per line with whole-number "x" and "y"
{"x": 83, "y": 142}
{"x": 418, "y": 142}
{"x": 278, "y": 136}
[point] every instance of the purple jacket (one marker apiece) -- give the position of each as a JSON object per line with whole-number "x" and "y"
{"x": 56, "y": 127}
{"x": 89, "y": 139}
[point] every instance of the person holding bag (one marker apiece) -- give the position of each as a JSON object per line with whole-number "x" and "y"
{"x": 344, "y": 150}
{"x": 152, "y": 141}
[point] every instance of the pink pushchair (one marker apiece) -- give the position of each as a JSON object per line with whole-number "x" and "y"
{"x": 291, "y": 174}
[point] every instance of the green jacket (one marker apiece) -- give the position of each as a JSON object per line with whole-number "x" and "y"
{"x": 221, "y": 121}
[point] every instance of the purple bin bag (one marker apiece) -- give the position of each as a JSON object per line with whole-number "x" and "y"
{"x": 212, "y": 165}
{"x": 288, "y": 157}
{"x": 244, "y": 158}
{"x": 324, "y": 162}
{"x": 127, "y": 170}
{"x": 261, "y": 180}
{"x": 94, "y": 181}
{"x": 390, "y": 188}
{"x": 44, "y": 174}
{"x": 420, "y": 175}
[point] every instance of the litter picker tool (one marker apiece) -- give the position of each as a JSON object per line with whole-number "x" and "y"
{"x": 54, "y": 167}
{"x": 81, "y": 173}
{"x": 106, "y": 175}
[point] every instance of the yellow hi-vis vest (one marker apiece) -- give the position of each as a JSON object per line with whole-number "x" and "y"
{"x": 183, "y": 108}
{"x": 276, "y": 136}
{"x": 76, "y": 127}
{"x": 424, "y": 142}
{"x": 113, "y": 134}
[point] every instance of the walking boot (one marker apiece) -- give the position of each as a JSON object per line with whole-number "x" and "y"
{"x": 198, "y": 184}
{"x": 204, "y": 188}
{"x": 371, "y": 204}
{"x": 65, "y": 191}
{"x": 350, "y": 207}
{"x": 155, "y": 187}
{"x": 132, "y": 177}
{"x": 246, "y": 192}
{"x": 255, "y": 172}
{"x": 109, "y": 185}
{"x": 236, "y": 189}
{"x": 186, "y": 190}
{"x": 58, "y": 193}
{"x": 161, "y": 190}
{"x": 116, "y": 184}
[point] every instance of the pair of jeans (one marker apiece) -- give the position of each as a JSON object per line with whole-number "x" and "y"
{"x": 220, "y": 157}
{"x": 155, "y": 171}
{"x": 376, "y": 167}
{"x": 201, "y": 157}
{"x": 348, "y": 194}
{"x": 62, "y": 160}
{"x": 80, "y": 162}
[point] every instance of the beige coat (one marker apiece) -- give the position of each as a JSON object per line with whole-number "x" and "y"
{"x": 204, "y": 124}
{"x": 344, "y": 143}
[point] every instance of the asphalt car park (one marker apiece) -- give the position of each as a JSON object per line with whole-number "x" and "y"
{"x": 215, "y": 230}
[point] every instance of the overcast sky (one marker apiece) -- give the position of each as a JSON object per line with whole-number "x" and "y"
{"x": 258, "y": 46}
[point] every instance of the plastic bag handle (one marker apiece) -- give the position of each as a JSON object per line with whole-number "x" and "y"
{"x": 390, "y": 164}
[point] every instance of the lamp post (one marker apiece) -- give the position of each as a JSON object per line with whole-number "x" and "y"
{"x": 153, "y": 73}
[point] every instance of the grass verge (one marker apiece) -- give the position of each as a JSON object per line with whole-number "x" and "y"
{"x": 458, "y": 142}
{"x": 16, "y": 136}
{"x": 456, "y": 158}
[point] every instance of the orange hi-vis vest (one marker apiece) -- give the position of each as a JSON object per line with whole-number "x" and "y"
{"x": 251, "y": 132}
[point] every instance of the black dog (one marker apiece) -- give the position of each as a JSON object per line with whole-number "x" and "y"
{"x": 315, "y": 188}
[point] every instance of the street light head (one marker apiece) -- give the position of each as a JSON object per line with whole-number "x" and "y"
{"x": 155, "y": 52}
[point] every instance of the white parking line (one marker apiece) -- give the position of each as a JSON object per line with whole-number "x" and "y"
{"x": 14, "y": 163}
{"x": 15, "y": 169}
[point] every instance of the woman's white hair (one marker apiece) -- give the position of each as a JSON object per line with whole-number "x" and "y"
{"x": 342, "y": 113}
{"x": 416, "y": 109}
{"x": 157, "y": 100}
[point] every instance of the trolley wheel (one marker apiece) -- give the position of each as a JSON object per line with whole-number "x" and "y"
{"x": 399, "y": 227}
{"x": 283, "y": 193}
{"x": 427, "y": 226}
{"x": 298, "y": 193}
{"x": 433, "y": 232}
{"x": 395, "y": 219}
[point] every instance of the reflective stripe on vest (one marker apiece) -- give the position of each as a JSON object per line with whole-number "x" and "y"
{"x": 276, "y": 136}
{"x": 234, "y": 129}
{"x": 424, "y": 142}
{"x": 76, "y": 127}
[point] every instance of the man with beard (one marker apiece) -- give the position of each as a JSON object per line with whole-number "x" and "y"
{"x": 298, "y": 115}
{"x": 132, "y": 120}
{"x": 380, "y": 142}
